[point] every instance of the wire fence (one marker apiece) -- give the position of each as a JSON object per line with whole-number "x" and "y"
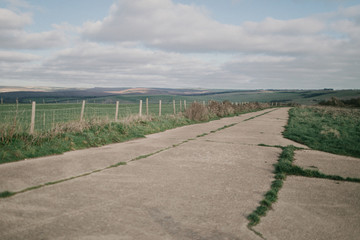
{"x": 45, "y": 117}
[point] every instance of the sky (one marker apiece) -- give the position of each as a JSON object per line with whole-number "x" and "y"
{"x": 227, "y": 44}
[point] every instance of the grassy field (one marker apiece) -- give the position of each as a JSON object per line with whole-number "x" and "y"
{"x": 48, "y": 116}
{"x": 334, "y": 130}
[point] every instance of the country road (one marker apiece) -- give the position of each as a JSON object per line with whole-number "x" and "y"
{"x": 193, "y": 182}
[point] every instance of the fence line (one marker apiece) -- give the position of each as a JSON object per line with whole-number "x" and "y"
{"x": 44, "y": 117}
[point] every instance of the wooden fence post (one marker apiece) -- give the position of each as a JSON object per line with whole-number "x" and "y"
{"x": 32, "y": 124}
{"x": 147, "y": 106}
{"x": 140, "y": 108}
{"x": 159, "y": 108}
{"x": 174, "y": 106}
{"x": 184, "y": 104}
{"x": 82, "y": 110}
{"x": 180, "y": 106}
{"x": 117, "y": 111}
{"x": 53, "y": 119}
{"x": 44, "y": 122}
{"x": 204, "y": 103}
{"x": 2, "y": 101}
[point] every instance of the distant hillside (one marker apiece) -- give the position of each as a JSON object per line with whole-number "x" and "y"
{"x": 10, "y": 94}
{"x": 133, "y": 95}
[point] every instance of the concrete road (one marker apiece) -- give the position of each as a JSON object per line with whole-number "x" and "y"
{"x": 197, "y": 182}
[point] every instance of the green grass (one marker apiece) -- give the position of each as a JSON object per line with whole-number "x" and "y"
{"x": 93, "y": 134}
{"x": 6, "y": 194}
{"x": 48, "y": 116}
{"x": 334, "y": 130}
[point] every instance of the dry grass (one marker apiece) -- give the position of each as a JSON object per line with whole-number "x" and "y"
{"x": 330, "y": 131}
{"x": 197, "y": 112}
{"x": 134, "y": 119}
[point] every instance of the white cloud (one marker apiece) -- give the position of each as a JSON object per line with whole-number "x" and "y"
{"x": 7, "y": 56}
{"x": 14, "y": 36}
{"x": 186, "y": 28}
{"x": 118, "y": 65}
{"x": 93, "y": 64}
{"x": 285, "y": 27}
{"x": 11, "y": 20}
{"x": 157, "y": 43}
{"x": 263, "y": 59}
{"x": 163, "y": 24}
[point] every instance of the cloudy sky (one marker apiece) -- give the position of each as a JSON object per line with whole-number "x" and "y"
{"x": 241, "y": 44}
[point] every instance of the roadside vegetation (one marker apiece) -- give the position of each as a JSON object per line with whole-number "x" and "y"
{"x": 200, "y": 112}
{"x": 329, "y": 129}
{"x": 16, "y": 144}
{"x": 70, "y": 136}
{"x": 336, "y": 102}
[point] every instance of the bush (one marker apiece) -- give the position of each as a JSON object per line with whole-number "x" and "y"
{"x": 333, "y": 102}
{"x": 197, "y": 112}
{"x": 216, "y": 108}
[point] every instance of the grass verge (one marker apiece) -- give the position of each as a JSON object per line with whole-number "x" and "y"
{"x": 329, "y": 129}
{"x": 89, "y": 134}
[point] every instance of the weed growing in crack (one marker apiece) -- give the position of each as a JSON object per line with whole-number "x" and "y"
{"x": 6, "y": 194}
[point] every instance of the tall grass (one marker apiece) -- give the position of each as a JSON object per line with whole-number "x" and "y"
{"x": 18, "y": 145}
{"x": 213, "y": 110}
{"x": 334, "y": 130}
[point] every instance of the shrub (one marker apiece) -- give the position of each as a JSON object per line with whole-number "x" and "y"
{"x": 197, "y": 112}
{"x": 333, "y": 102}
{"x": 216, "y": 108}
